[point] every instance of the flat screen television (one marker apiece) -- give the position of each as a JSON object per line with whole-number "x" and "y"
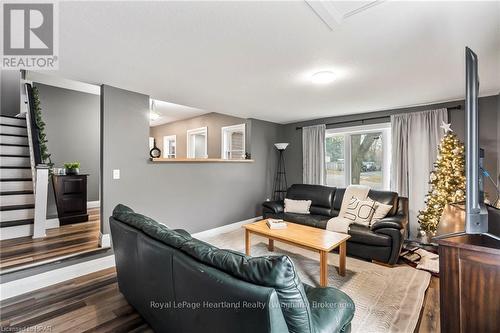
{"x": 476, "y": 212}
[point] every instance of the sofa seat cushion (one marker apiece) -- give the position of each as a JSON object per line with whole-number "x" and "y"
{"x": 362, "y": 234}
{"x": 332, "y": 310}
{"x": 312, "y": 220}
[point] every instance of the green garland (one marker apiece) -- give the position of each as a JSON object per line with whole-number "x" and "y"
{"x": 42, "y": 137}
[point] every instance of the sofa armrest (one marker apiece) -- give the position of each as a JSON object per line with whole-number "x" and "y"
{"x": 276, "y": 207}
{"x": 395, "y": 227}
{"x": 398, "y": 221}
{"x": 332, "y": 310}
{"x": 395, "y": 222}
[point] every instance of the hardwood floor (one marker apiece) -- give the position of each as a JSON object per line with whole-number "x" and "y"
{"x": 429, "y": 316}
{"x": 62, "y": 241}
{"x": 90, "y": 303}
{"x": 93, "y": 303}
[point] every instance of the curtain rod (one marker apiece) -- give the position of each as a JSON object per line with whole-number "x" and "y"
{"x": 457, "y": 107}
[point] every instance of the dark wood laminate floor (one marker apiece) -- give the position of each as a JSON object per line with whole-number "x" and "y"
{"x": 93, "y": 303}
{"x": 65, "y": 240}
{"x": 90, "y": 303}
{"x": 429, "y": 316}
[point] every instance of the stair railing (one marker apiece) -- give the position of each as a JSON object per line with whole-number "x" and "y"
{"x": 39, "y": 171}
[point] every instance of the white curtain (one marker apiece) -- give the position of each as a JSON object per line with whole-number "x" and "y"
{"x": 313, "y": 155}
{"x": 415, "y": 139}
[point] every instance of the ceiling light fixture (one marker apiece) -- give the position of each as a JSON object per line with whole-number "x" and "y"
{"x": 153, "y": 116}
{"x": 323, "y": 77}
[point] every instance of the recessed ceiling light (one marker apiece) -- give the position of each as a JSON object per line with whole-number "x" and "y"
{"x": 323, "y": 77}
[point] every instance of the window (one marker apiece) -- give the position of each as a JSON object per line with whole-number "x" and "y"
{"x": 233, "y": 142}
{"x": 359, "y": 155}
{"x": 197, "y": 143}
{"x": 169, "y": 143}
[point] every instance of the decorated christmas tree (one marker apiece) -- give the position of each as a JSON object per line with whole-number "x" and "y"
{"x": 447, "y": 180}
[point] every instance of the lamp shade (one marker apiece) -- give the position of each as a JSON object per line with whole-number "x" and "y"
{"x": 281, "y": 146}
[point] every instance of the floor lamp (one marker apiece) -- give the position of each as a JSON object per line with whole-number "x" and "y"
{"x": 280, "y": 185}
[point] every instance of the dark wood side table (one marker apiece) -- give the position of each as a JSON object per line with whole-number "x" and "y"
{"x": 71, "y": 198}
{"x": 469, "y": 268}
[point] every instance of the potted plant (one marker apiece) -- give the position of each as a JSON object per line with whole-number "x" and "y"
{"x": 72, "y": 168}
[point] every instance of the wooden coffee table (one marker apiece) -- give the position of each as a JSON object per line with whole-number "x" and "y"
{"x": 310, "y": 238}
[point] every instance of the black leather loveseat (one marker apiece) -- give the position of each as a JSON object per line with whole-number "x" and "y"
{"x": 381, "y": 242}
{"x": 180, "y": 284}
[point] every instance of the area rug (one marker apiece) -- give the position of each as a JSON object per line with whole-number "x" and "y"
{"x": 386, "y": 299}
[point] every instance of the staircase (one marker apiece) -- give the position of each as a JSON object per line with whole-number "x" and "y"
{"x": 17, "y": 201}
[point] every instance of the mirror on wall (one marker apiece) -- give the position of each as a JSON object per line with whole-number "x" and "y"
{"x": 184, "y": 133}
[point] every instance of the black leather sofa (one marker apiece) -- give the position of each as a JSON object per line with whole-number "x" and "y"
{"x": 180, "y": 284}
{"x": 381, "y": 242}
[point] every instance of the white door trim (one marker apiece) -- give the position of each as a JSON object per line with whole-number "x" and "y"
{"x": 199, "y": 130}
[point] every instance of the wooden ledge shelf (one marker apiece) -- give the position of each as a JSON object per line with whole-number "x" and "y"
{"x": 197, "y": 160}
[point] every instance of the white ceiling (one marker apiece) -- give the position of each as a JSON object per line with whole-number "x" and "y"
{"x": 170, "y": 112}
{"x": 253, "y": 59}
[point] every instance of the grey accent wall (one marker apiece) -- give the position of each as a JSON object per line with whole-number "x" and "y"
{"x": 213, "y": 121}
{"x": 10, "y": 92}
{"x": 489, "y": 132}
{"x": 193, "y": 196}
{"x": 72, "y": 128}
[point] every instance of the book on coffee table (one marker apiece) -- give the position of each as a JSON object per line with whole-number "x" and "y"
{"x": 276, "y": 224}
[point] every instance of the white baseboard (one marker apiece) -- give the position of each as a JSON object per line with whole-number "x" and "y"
{"x": 224, "y": 228}
{"x": 104, "y": 240}
{"x": 38, "y": 281}
{"x": 52, "y": 223}
{"x": 93, "y": 204}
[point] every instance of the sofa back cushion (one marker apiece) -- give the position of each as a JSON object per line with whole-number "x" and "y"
{"x": 337, "y": 200}
{"x": 321, "y": 197}
{"x": 387, "y": 198}
{"x": 277, "y": 272}
{"x": 150, "y": 227}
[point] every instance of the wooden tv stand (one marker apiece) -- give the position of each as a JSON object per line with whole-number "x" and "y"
{"x": 469, "y": 268}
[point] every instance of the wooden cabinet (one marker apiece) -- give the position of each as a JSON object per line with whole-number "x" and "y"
{"x": 469, "y": 268}
{"x": 71, "y": 198}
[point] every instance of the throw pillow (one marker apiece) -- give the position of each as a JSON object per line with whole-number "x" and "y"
{"x": 297, "y": 206}
{"x": 360, "y": 211}
{"x": 381, "y": 211}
